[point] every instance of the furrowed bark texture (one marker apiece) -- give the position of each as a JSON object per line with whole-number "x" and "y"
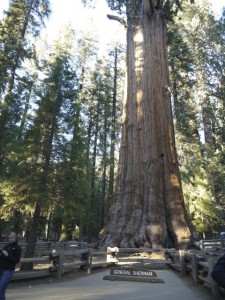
{"x": 148, "y": 207}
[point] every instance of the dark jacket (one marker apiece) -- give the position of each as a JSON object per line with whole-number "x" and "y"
{"x": 218, "y": 273}
{"x": 14, "y": 253}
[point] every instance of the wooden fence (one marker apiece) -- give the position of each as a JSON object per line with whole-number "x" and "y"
{"x": 199, "y": 266}
{"x": 58, "y": 259}
{"x": 57, "y": 262}
{"x": 45, "y": 247}
{"x": 195, "y": 263}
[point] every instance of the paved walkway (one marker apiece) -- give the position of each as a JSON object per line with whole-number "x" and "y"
{"x": 93, "y": 287}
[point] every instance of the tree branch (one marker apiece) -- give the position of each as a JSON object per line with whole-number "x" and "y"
{"x": 122, "y": 21}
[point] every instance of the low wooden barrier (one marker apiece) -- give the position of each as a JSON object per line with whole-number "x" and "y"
{"x": 199, "y": 266}
{"x": 45, "y": 247}
{"x": 59, "y": 262}
{"x": 35, "y": 272}
{"x": 138, "y": 255}
{"x": 213, "y": 243}
{"x": 68, "y": 258}
{"x": 62, "y": 259}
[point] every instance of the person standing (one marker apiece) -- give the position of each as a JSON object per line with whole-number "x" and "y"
{"x": 9, "y": 257}
{"x": 218, "y": 272}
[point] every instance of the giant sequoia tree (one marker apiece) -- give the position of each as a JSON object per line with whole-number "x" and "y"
{"x": 148, "y": 206}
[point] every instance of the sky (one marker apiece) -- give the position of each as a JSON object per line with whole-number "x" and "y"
{"x": 74, "y": 11}
{"x": 64, "y": 11}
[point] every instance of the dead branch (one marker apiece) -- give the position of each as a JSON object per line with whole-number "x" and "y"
{"x": 122, "y": 21}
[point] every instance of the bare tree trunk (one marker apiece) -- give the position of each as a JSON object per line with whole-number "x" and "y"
{"x": 30, "y": 249}
{"x": 113, "y": 129}
{"x": 148, "y": 206}
{"x": 104, "y": 165}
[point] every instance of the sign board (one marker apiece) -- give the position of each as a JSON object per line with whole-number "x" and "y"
{"x": 134, "y": 272}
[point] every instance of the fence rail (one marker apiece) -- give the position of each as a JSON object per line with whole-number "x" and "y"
{"x": 199, "y": 266}
{"x": 58, "y": 259}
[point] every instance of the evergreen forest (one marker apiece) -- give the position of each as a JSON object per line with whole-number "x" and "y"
{"x": 61, "y": 116}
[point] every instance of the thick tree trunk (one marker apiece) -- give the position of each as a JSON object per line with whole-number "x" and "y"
{"x": 148, "y": 207}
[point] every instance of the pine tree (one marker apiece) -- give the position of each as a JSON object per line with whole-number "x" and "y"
{"x": 23, "y": 18}
{"x": 193, "y": 73}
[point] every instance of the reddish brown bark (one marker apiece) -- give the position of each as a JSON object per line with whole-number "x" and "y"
{"x": 148, "y": 207}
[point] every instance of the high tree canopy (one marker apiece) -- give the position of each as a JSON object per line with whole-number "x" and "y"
{"x": 60, "y": 119}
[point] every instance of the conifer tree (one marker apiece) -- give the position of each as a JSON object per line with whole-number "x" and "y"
{"x": 193, "y": 75}
{"x": 23, "y": 18}
{"x": 148, "y": 206}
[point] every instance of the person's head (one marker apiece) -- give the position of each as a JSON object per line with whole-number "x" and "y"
{"x": 12, "y": 237}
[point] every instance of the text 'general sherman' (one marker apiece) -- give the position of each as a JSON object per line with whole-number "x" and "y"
{"x": 133, "y": 272}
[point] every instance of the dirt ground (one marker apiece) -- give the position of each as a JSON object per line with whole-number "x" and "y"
{"x": 201, "y": 290}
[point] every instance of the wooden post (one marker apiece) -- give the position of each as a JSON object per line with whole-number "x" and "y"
{"x": 89, "y": 261}
{"x": 182, "y": 263}
{"x": 214, "y": 285}
{"x": 111, "y": 254}
{"x": 60, "y": 265}
{"x": 194, "y": 268}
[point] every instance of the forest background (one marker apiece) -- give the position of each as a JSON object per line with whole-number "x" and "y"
{"x": 61, "y": 105}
